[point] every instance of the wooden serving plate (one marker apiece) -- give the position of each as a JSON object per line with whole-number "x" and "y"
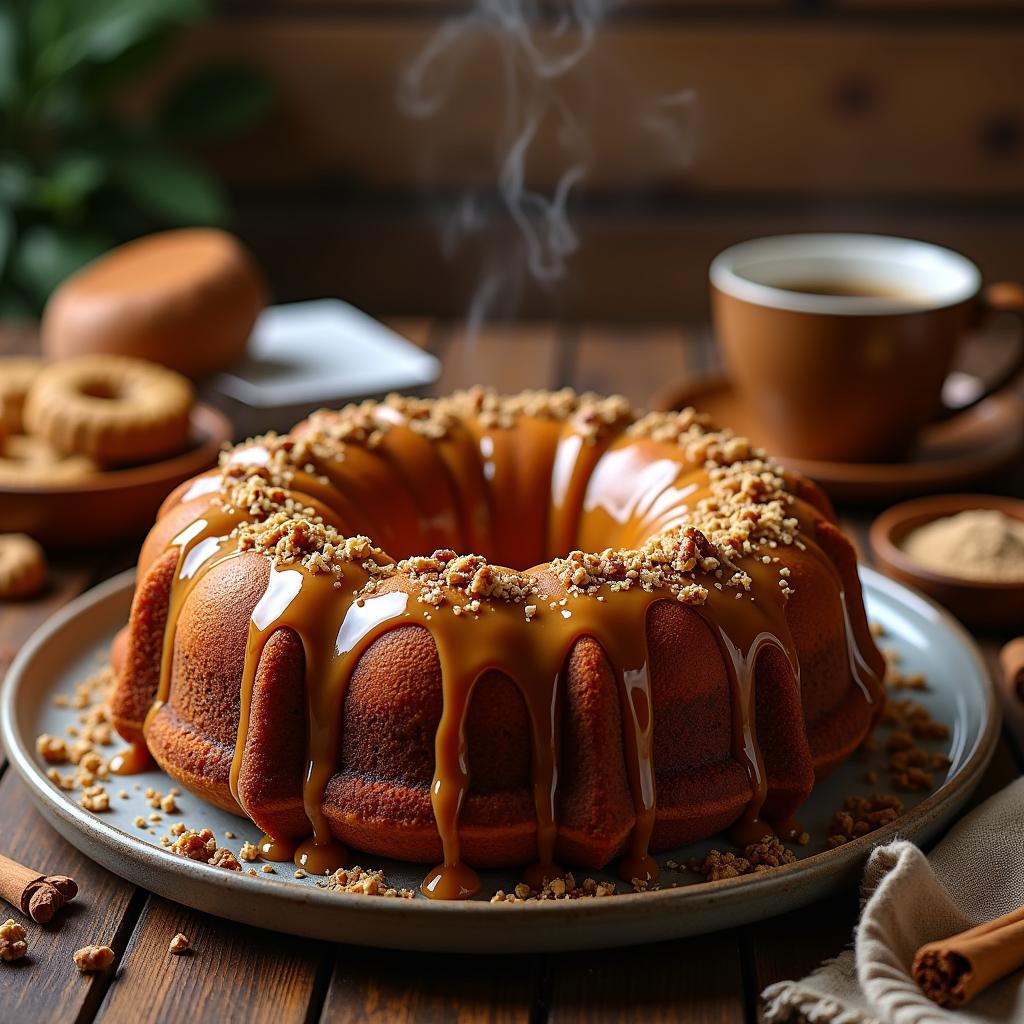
{"x": 116, "y": 505}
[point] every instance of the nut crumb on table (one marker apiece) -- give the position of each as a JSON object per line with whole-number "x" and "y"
{"x": 179, "y": 944}
{"x": 93, "y": 958}
{"x": 13, "y": 944}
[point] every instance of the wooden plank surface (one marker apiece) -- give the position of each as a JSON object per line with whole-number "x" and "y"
{"x": 508, "y": 357}
{"x": 822, "y": 107}
{"x": 371, "y": 986}
{"x": 46, "y": 985}
{"x": 667, "y": 251}
{"x": 631, "y": 360}
{"x": 696, "y": 981}
{"x": 232, "y": 973}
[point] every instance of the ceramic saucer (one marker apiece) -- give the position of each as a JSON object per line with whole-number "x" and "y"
{"x": 949, "y": 454}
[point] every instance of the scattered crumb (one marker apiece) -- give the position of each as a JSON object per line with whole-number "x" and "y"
{"x": 52, "y": 749}
{"x": 93, "y": 958}
{"x": 363, "y": 882}
{"x": 765, "y": 854}
{"x": 556, "y": 889}
{"x": 860, "y": 815}
{"x": 95, "y": 799}
{"x": 249, "y": 852}
{"x": 179, "y": 944}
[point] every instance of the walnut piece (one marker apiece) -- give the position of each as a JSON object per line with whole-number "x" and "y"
{"x": 93, "y": 958}
{"x": 12, "y": 941}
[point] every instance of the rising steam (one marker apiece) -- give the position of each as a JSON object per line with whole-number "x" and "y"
{"x": 538, "y": 53}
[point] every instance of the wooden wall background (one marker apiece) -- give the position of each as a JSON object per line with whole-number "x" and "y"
{"x": 900, "y": 116}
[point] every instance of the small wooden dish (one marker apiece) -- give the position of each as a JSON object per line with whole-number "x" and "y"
{"x": 117, "y": 505}
{"x": 983, "y": 604}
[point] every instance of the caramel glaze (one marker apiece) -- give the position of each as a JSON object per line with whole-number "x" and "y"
{"x": 624, "y": 489}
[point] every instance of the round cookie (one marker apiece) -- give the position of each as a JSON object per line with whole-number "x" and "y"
{"x": 16, "y": 376}
{"x": 27, "y": 461}
{"x": 113, "y": 409}
{"x": 187, "y": 299}
{"x": 22, "y": 566}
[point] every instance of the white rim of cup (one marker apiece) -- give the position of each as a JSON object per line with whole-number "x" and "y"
{"x": 751, "y": 271}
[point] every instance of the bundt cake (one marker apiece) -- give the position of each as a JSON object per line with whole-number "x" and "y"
{"x": 687, "y": 654}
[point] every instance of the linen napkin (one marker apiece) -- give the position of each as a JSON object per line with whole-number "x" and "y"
{"x": 975, "y": 874}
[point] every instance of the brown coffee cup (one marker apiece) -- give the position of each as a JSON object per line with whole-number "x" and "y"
{"x": 842, "y": 343}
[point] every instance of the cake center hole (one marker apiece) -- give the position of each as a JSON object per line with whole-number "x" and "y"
{"x": 101, "y": 389}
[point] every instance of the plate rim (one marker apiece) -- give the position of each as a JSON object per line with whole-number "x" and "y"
{"x": 148, "y": 860}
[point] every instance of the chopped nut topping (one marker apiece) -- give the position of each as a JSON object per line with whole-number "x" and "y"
{"x": 96, "y": 799}
{"x": 249, "y": 852}
{"x": 766, "y": 853}
{"x": 861, "y": 815}
{"x": 363, "y": 882}
{"x": 556, "y": 889}
{"x": 179, "y": 944}
{"x": 52, "y": 749}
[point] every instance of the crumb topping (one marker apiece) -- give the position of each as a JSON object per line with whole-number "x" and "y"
{"x": 363, "y": 882}
{"x": 860, "y": 815}
{"x": 556, "y": 889}
{"x": 744, "y": 510}
{"x": 445, "y": 575}
{"x": 767, "y": 853}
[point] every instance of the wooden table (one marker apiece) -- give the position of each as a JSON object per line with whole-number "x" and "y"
{"x": 242, "y": 974}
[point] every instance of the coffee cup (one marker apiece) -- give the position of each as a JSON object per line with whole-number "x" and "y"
{"x": 841, "y": 343}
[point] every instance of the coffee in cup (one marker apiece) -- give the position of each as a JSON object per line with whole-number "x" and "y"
{"x": 841, "y": 343}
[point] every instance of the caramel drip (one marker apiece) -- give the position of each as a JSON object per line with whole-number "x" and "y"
{"x": 612, "y": 489}
{"x": 335, "y": 628}
{"x": 869, "y": 682}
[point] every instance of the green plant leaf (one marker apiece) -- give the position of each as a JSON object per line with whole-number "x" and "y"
{"x": 8, "y": 56}
{"x": 67, "y": 184}
{"x": 14, "y": 307}
{"x": 45, "y": 255}
{"x": 15, "y": 180}
{"x": 216, "y": 102}
{"x": 171, "y": 189}
{"x": 102, "y": 30}
{"x": 7, "y": 232}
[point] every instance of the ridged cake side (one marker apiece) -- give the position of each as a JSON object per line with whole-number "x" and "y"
{"x": 696, "y": 670}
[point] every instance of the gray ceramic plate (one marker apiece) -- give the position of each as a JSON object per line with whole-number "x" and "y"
{"x": 67, "y": 647}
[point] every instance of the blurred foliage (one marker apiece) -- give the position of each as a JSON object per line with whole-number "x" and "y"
{"x": 77, "y": 177}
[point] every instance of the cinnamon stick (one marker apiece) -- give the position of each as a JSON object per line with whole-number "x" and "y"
{"x": 1011, "y": 658}
{"x": 953, "y": 971}
{"x": 36, "y": 895}
{"x": 1011, "y": 689}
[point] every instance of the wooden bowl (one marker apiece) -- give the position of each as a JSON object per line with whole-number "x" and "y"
{"x": 113, "y": 506}
{"x": 983, "y": 604}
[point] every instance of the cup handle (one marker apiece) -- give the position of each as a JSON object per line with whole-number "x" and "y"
{"x": 1000, "y": 297}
